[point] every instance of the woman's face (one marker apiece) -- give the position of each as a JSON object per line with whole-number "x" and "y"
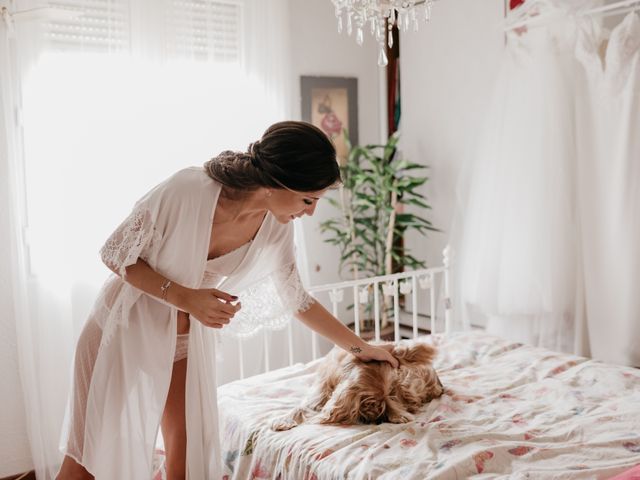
{"x": 287, "y": 205}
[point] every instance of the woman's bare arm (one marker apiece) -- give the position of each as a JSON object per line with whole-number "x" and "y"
{"x": 210, "y": 306}
{"x": 321, "y": 321}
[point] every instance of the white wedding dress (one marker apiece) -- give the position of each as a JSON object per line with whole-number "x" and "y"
{"x": 608, "y": 134}
{"x": 516, "y": 246}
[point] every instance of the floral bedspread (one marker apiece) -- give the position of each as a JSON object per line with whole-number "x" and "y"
{"x": 512, "y": 411}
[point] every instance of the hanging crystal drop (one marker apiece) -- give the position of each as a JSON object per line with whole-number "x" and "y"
{"x": 359, "y": 37}
{"x": 399, "y": 21}
{"x": 349, "y": 24}
{"x": 340, "y": 24}
{"x": 372, "y": 21}
{"x": 382, "y": 57}
{"x": 390, "y": 38}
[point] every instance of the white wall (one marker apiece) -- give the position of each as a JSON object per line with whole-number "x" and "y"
{"x": 447, "y": 72}
{"x": 318, "y": 49}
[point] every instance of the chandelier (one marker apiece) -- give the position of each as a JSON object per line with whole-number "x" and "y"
{"x": 381, "y": 15}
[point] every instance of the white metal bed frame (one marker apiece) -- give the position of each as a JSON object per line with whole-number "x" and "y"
{"x": 403, "y": 283}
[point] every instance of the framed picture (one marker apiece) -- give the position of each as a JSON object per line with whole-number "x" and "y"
{"x": 331, "y": 104}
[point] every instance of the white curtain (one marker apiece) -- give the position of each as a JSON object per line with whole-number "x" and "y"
{"x": 106, "y": 113}
{"x": 549, "y": 220}
{"x": 40, "y": 309}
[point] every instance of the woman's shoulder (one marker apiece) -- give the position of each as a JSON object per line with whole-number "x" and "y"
{"x": 189, "y": 177}
{"x": 188, "y": 186}
{"x": 189, "y": 182}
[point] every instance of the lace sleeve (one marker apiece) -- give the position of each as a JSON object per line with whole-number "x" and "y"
{"x": 133, "y": 239}
{"x": 269, "y": 304}
{"x": 290, "y": 289}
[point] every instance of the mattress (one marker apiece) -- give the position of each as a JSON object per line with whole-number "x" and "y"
{"x": 511, "y": 411}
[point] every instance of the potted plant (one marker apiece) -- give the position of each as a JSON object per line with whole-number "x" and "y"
{"x": 377, "y": 185}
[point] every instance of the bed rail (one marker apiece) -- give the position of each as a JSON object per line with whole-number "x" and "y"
{"x": 386, "y": 290}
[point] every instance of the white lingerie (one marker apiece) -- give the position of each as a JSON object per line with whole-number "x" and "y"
{"x": 216, "y": 269}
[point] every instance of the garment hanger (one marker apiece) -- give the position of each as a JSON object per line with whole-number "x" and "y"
{"x": 614, "y": 8}
{"x": 617, "y": 8}
{"x": 622, "y": 10}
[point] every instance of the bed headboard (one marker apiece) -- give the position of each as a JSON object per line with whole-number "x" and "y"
{"x": 382, "y": 293}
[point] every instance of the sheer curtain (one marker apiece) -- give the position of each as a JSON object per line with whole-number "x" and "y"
{"x": 111, "y": 102}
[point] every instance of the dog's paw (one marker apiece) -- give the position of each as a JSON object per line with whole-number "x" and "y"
{"x": 404, "y": 417}
{"x": 284, "y": 423}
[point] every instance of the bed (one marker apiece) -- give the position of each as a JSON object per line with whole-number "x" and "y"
{"x": 511, "y": 411}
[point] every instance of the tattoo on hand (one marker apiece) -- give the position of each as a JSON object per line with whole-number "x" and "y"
{"x": 355, "y": 350}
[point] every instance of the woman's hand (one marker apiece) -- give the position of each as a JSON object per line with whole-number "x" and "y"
{"x": 211, "y": 307}
{"x": 381, "y": 353}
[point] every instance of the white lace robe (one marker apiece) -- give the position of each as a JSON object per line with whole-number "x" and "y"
{"x": 126, "y": 388}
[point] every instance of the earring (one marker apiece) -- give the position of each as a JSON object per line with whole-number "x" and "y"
{"x": 268, "y": 193}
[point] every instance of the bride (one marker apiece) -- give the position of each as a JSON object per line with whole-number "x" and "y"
{"x": 146, "y": 356}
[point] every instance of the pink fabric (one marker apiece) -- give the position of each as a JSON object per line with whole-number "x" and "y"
{"x": 633, "y": 474}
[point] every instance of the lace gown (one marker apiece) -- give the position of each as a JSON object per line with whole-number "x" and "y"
{"x": 515, "y": 246}
{"x": 608, "y": 128}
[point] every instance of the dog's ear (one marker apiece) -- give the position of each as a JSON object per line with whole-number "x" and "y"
{"x": 342, "y": 408}
{"x": 417, "y": 354}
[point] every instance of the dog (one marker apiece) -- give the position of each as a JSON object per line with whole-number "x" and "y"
{"x": 349, "y": 391}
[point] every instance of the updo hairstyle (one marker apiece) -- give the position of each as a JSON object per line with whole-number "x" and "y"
{"x": 295, "y": 155}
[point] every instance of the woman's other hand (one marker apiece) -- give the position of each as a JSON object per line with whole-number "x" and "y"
{"x": 211, "y": 307}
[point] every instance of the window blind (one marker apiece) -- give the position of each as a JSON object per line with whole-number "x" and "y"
{"x": 207, "y": 30}
{"x": 204, "y": 29}
{"x": 101, "y": 26}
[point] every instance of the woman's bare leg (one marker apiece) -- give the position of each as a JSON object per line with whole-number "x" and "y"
{"x": 72, "y": 470}
{"x": 174, "y": 425}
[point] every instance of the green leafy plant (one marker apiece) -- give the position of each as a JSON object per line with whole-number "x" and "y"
{"x": 377, "y": 186}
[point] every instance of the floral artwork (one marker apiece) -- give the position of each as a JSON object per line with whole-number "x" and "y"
{"x": 330, "y": 103}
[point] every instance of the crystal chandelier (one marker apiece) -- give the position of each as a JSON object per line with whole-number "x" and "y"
{"x": 381, "y": 16}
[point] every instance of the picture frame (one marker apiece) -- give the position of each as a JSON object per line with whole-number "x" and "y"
{"x": 331, "y": 104}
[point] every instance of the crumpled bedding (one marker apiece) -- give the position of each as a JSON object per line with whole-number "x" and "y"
{"x": 511, "y": 411}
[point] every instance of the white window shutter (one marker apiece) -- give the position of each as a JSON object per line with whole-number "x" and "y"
{"x": 101, "y": 26}
{"x": 206, "y": 30}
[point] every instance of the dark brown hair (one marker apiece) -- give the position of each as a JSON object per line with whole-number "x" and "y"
{"x": 296, "y": 155}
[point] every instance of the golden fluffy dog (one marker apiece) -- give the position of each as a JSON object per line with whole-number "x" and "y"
{"x": 350, "y": 391}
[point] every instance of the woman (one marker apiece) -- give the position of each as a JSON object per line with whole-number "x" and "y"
{"x": 190, "y": 243}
